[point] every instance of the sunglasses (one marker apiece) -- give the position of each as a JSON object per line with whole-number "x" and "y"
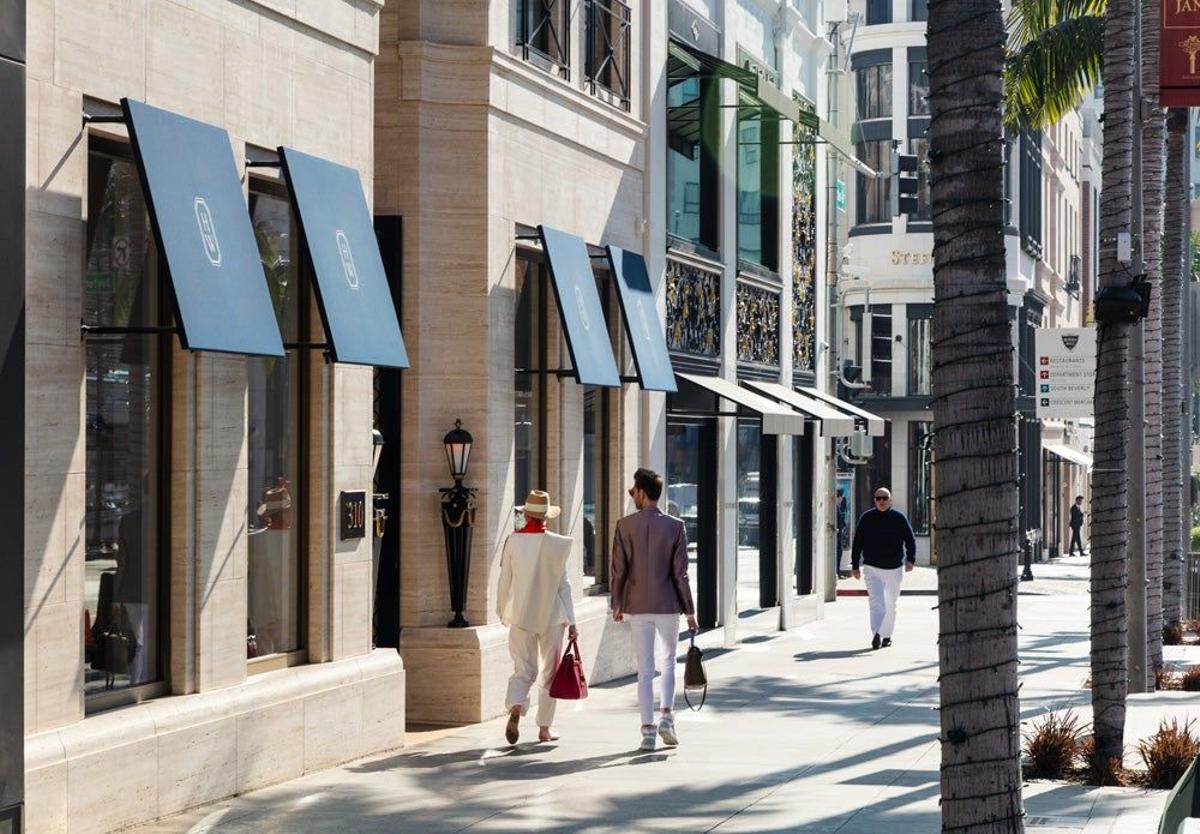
{"x": 881, "y": 497}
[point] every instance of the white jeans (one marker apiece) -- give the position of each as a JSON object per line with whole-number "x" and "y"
{"x": 883, "y": 587}
{"x": 655, "y": 642}
{"x": 535, "y": 659}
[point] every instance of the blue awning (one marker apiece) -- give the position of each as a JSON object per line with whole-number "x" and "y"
{"x": 579, "y": 307}
{"x": 642, "y": 326}
{"x": 198, "y": 213}
{"x": 352, "y": 288}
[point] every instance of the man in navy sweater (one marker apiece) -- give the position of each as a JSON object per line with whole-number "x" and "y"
{"x": 885, "y": 547}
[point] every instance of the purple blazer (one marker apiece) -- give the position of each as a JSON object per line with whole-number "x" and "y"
{"x": 650, "y": 565}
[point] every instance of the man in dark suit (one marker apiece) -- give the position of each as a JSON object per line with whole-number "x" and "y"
{"x": 1076, "y": 525}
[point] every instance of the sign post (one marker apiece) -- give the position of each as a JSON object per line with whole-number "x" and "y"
{"x": 1066, "y": 372}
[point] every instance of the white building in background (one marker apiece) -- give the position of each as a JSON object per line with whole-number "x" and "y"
{"x": 885, "y": 285}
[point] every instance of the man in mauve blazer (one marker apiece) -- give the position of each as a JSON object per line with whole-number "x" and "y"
{"x": 650, "y": 589}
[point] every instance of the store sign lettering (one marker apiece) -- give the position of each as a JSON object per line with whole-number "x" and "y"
{"x": 913, "y": 258}
{"x": 1179, "y": 57}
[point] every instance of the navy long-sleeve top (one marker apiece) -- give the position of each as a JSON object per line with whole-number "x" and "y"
{"x": 883, "y": 540}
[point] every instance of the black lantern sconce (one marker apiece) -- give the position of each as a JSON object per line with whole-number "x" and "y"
{"x": 458, "y": 517}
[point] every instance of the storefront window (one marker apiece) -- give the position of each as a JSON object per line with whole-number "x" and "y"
{"x": 874, "y": 193}
{"x": 749, "y": 516}
{"x": 758, "y": 192}
{"x": 920, "y": 355}
{"x": 691, "y": 162}
{"x": 528, "y": 394}
{"x": 684, "y": 462}
{"x": 595, "y": 424}
{"x": 920, "y": 475}
{"x": 275, "y": 520}
{"x": 125, "y": 388}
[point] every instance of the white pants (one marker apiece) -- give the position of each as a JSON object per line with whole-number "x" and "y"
{"x": 883, "y": 587}
{"x": 655, "y": 642}
{"x": 535, "y": 659}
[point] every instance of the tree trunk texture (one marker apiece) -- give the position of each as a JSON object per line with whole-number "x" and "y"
{"x": 1173, "y": 285}
{"x": 1154, "y": 149}
{"x": 975, "y": 432}
{"x": 1110, "y": 481}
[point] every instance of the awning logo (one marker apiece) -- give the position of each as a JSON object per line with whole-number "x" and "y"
{"x": 644, "y": 320}
{"x": 348, "y": 269}
{"x": 1070, "y": 340}
{"x": 208, "y": 231}
{"x": 581, "y": 304}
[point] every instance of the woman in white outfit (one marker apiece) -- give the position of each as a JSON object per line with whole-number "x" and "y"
{"x": 534, "y": 601}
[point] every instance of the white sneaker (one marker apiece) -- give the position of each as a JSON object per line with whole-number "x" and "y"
{"x": 647, "y": 745}
{"x": 666, "y": 729}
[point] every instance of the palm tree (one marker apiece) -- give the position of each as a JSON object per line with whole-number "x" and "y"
{"x": 973, "y": 408}
{"x": 1154, "y": 151}
{"x": 1173, "y": 287}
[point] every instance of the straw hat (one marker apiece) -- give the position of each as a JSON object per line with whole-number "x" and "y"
{"x": 537, "y": 505}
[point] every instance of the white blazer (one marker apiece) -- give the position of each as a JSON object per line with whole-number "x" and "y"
{"x": 534, "y": 592}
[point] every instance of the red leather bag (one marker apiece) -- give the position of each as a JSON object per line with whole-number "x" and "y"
{"x": 569, "y": 683}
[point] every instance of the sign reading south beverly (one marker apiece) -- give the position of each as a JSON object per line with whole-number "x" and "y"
{"x": 1066, "y": 371}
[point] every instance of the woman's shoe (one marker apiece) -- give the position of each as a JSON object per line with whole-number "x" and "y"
{"x": 546, "y": 736}
{"x": 512, "y": 729}
{"x": 666, "y": 729}
{"x": 647, "y": 745}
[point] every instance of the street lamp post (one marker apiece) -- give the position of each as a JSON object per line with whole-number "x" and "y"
{"x": 458, "y": 519}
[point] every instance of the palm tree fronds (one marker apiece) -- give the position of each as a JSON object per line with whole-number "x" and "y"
{"x": 1030, "y": 18}
{"x": 1050, "y": 75}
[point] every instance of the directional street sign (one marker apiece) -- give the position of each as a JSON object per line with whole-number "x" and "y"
{"x": 1066, "y": 371}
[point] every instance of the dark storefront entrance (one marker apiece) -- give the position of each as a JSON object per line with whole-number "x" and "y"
{"x": 692, "y": 496}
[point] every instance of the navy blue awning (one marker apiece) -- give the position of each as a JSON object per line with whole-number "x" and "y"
{"x": 203, "y": 230}
{"x": 642, "y": 326}
{"x": 579, "y": 307}
{"x": 356, "y": 304}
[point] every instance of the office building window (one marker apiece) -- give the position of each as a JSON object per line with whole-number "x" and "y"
{"x": 608, "y": 49}
{"x": 920, "y": 475}
{"x": 874, "y": 86}
{"x": 918, "y": 88}
{"x": 1029, "y": 193}
{"x": 879, "y": 11}
{"x": 920, "y": 149}
{"x": 758, "y": 192}
{"x": 918, "y": 10}
{"x": 920, "y": 354}
{"x": 544, "y": 34}
{"x": 276, "y": 519}
{"x": 874, "y": 193}
{"x": 692, "y": 165}
{"x": 126, "y": 390}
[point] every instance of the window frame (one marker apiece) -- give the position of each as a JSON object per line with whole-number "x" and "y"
{"x": 596, "y": 61}
{"x": 870, "y": 77}
{"x": 552, "y": 14}
{"x": 540, "y": 337}
{"x": 879, "y": 208}
{"x": 276, "y": 188}
{"x": 96, "y": 702}
{"x": 918, "y": 105}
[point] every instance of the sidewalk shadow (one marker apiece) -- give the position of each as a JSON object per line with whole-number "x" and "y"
{"x": 832, "y": 655}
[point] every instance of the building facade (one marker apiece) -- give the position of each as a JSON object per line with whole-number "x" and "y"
{"x": 885, "y": 281}
{"x": 196, "y": 622}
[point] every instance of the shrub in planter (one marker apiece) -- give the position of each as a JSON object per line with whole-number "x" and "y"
{"x": 1052, "y": 746}
{"x": 1173, "y": 635}
{"x": 1100, "y": 770}
{"x": 1168, "y": 753}
{"x": 1189, "y": 681}
{"x": 1166, "y": 678}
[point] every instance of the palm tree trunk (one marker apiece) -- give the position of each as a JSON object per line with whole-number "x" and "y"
{"x": 1154, "y": 137}
{"x": 1110, "y": 482}
{"x": 1174, "y": 264}
{"x": 975, "y": 434}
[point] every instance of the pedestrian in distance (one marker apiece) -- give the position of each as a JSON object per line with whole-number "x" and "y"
{"x": 534, "y": 601}
{"x": 650, "y": 589}
{"x": 842, "y": 514}
{"x": 1076, "y": 525}
{"x": 886, "y": 548}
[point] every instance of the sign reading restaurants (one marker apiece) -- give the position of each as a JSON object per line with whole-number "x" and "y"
{"x": 1179, "y": 59}
{"x": 1066, "y": 371}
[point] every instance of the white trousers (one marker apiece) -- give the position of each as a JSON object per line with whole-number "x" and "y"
{"x": 883, "y": 588}
{"x": 535, "y": 660}
{"x": 655, "y": 643}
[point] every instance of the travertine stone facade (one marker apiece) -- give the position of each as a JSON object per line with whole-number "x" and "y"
{"x": 271, "y": 72}
{"x": 473, "y": 142}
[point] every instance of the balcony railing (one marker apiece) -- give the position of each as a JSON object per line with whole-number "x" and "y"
{"x": 544, "y": 35}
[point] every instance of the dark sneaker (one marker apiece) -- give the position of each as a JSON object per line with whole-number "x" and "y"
{"x": 887, "y": 642}
{"x": 875, "y": 642}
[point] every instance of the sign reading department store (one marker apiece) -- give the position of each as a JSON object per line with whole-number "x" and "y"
{"x": 1065, "y": 367}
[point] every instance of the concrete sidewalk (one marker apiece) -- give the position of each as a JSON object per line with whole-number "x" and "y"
{"x": 807, "y": 731}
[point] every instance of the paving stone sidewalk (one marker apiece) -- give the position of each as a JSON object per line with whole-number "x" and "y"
{"x": 807, "y": 731}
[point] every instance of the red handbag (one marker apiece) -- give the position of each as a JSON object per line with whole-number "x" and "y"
{"x": 570, "y": 684}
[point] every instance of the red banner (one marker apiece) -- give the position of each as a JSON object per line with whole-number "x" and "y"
{"x": 1179, "y": 55}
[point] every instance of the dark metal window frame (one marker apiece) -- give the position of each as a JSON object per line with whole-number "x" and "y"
{"x": 554, "y": 22}
{"x": 106, "y": 700}
{"x": 272, "y": 187}
{"x": 602, "y": 52}
{"x": 1029, "y": 218}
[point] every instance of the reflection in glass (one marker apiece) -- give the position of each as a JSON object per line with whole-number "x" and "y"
{"x": 920, "y": 356}
{"x": 918, "y": 88}
{"x": 920, "y": 482}
{"x": 874, "y": 84}
{"x": 750, "y": 191}
{"x": 881, "y": 349}
{"x": 683, "y": 484}
{"x": 593, "y": 482}
{"x": 683, "y": 159}
{"x": 749, "y": 471}
{"x": 273, "y": 428}
{"x": 874, "y": 193}
{"x": 528, "y": 353}
{"x": 123, "y": 437}
{"x": 920, "y": 149}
